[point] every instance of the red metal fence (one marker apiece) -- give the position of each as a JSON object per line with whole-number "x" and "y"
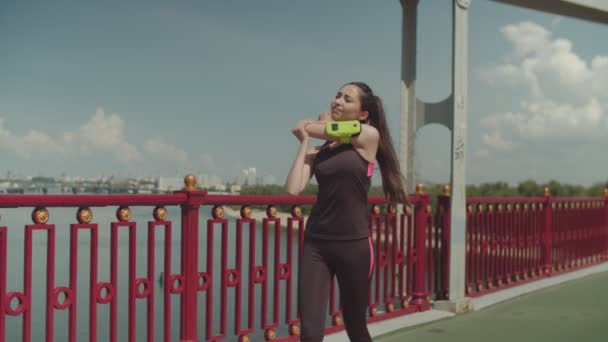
{"x": 511, "y": 241}
{"x": 439, "y": 245}
{"x": 236, "y": 277}
{"x": 244, "y": 271}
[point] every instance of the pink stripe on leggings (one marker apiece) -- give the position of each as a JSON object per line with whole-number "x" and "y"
{"x": 371, "y": 256}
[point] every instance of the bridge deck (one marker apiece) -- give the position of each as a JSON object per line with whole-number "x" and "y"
{"x": 574, "y": 311}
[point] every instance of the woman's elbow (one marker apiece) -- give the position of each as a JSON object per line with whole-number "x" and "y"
{"x": 293, "y": 191}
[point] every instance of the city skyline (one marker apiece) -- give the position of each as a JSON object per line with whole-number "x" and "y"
{"x": 248, "y": 176}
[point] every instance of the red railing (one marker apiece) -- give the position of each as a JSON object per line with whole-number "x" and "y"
{"x": 511, "y": 241}
{"x": 579, "y": 233}
{"x": 244, "y": 271}
{"x": 439, "y": 254}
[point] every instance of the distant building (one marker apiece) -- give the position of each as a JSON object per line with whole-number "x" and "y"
{"x": 249, "y": 176}
{"x": 220, "y": 187}
{"x": 268, "y": 179}
{"x": 168, "y": 184}
{"x": 214, "y": 180}
{"x": 52, "y": 189}
{"x": 4, "y": 187}
{"x": 203, "y": 181}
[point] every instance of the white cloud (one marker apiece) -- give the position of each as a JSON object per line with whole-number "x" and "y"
{"x": 566, "y": 95}
{"x": 103, "y": 137}
{"x": 34, "y": 144}
{"x": 103, "y": 133}
{"x": 544, "y": 120}
{"x": 526, "y": 37}
{"x": 497, "y": 141}
{"x": 158, "y": 148}
{"x": 548, "y": 67}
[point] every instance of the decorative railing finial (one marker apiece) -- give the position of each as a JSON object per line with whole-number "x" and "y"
{"x": 420, "y": 188}
{"x": 160, "y": 213}
{"x": 190, "y": 182}
{"x": 124, "y": 214}
{"x": 547, "y": 192}
{"x": 447, "y": 190}
{"x": 84, "y": 215}
{"x": 296, "y": 211}
{"x": 40, "y": 215}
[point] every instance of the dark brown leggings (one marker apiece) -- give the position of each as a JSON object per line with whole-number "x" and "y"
{"x": 351, "y": 262}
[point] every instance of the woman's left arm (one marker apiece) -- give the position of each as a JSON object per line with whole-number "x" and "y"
{"x": 368, "y": 137}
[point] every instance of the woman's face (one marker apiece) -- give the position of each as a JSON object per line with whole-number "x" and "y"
{"x": 346, "y": 105}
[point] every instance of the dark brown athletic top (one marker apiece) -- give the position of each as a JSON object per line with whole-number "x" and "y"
{"x": 341, "y": 211}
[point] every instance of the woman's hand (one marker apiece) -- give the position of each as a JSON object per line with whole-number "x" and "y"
{"x": 299, "y": 130}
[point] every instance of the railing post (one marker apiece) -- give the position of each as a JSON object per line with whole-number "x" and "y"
{"x": 422, "y": 209}
{"x": 3, "y": 272}
{"x": 547, "y": 236}
{"x": 606, "y": 222}
{"x": 443, "y": 204}
{"x": 189, "y": 262}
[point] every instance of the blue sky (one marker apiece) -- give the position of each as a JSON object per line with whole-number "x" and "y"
{"x": 149, "y": 88}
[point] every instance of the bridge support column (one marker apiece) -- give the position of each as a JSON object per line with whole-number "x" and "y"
{"x": 452, "y": 113}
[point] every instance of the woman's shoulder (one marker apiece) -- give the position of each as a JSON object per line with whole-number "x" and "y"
{"x": 370, "y": 130}
{"x": 368, "y": 138}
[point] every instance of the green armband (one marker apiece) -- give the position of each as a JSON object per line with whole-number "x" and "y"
{"x": 344, "y": 130}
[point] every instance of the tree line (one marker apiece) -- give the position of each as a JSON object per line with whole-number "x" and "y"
{"x": 526, "y": 188}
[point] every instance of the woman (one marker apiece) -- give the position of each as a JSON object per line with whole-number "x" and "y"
{"x": 337, "y": 237}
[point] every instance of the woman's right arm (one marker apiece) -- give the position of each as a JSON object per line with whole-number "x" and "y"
{"x": 300, "y": 172}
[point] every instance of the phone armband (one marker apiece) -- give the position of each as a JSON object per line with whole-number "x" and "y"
{"x": 343, "y": 130}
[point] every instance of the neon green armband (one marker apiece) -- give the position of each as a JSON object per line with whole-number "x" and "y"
{"x": 344, "y": 130}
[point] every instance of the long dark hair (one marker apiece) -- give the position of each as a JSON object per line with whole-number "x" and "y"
{"x": 393, "y": 182}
